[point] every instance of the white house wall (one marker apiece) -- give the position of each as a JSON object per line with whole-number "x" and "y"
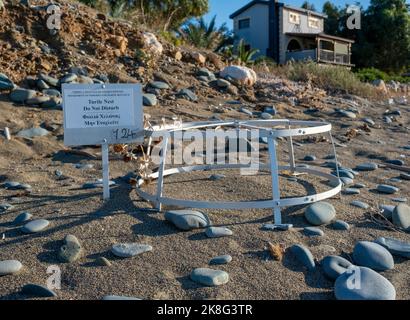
{"x": 257, "y": 35}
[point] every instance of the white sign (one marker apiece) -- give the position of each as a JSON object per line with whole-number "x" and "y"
{"x": 97, "y": 113}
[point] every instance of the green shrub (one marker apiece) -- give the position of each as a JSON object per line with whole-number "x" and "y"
{"x": 331, "y": 78}
{"x": 371, "y": 74}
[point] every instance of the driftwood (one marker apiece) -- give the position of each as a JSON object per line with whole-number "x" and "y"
{"x": 396, "y": 167}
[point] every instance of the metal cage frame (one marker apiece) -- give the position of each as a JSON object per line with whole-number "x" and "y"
{"x": 288, "y": 129}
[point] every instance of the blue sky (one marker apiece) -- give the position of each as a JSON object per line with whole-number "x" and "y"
{"x": 223, "y": 8}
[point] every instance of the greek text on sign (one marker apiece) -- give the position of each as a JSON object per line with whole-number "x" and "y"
{"x": 93, "y": 113}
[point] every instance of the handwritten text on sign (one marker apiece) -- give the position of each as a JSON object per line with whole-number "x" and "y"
{"x": 93, "y": 113}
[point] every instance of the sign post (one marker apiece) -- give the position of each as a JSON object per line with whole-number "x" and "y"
{"x": 102, "y": 115}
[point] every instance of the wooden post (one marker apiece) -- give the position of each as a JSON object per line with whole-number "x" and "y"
{"x": 334, "y": 51}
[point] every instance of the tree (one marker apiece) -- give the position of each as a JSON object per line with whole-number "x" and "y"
{"x": 205, "y": 35}
{"x": 308, "y": 6}
{"x": 384, "y": 40}
{"x": 332, "y": 23}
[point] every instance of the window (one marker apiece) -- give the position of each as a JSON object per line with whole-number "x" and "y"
{"x": 313, "y": 23}
{"x": 244, "y": 23}
{"x": 294, "y": 18}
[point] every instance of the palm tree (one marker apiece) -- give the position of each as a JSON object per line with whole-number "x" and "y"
{"x": 243, "y": 54}
{"x": 204, "y": 35}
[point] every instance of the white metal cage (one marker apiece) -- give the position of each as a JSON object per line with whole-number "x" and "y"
{"x": 271, "y": 130}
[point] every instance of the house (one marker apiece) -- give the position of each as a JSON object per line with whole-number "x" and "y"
{"x": 285, "y": 33}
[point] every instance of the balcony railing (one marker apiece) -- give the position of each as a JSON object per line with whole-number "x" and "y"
{"x": 301, "y": 55}
{"x": 332, "y": 57}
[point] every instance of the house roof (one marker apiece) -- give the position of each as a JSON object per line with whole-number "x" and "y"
{"x": 315, "y": 35}
{"x": 266, "y": 2}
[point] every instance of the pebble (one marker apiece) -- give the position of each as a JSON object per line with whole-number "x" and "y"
{"x": 41, "y": 84}
{"x": 38, "y": 290}
{"x": 396, "y": 162}
{"x": 266, "y": 116}
{"x": 369, "y": 166}
{"x": 33, "y": 132}
{"x": 111, "y": 297}
{"x": 187, "y": 94}
{"x": 387, "y": 210}
{"x": 9, "y": 267}
{"x": 351, "y": 191}
{"x": 37, "y": 100}
{"x": 312, "y": 231}
{"x": 347, "y": 114}
{"x": 359, "y": 204}
{"x": 205, "y": 72}
{"x": 149, "y": 100}
{"x": 159, "y": 85}
{"x": 52, "y": 92}
{"x": 359, "y": 186}
{"x": 304, "y": 255}
{"x": 246, "y": 111}
{"x": 384, "y": 188}
{"x": 281, "y": 227}
{"x": 71, "y": 250}
{"x": 334, "y": 266}
{"x": 401, "y": 216}
{"x": 84, "y": 166}
{"x": 340, "y": 225}
{"x": 12, "y": 185}
{"x": 20, "y": 95}
{"x": 396, "y": 247}
{"x": 309, "y": 158}
{"x": 225, "y": 259}
{"x": 69, "y": 77}
{"x": 5, "y": 206}
{"x": 49, "y": 80}
{"x": 216, "y": 177}
{"x": 127, "y": 250}
{"x": 369, "y": 121}
{"x": 35, "y": 226}
{"x": 405, "y": 176}
{"x": 402, "y": 200}
{"x": 344, "y": 173}
{"x": 96, "y": 184}
{"x": 5, "y": 83}
{"x": 22, "y": 217}
{"x": 346, "y": 181}
{"x": 101, "y": 261}
{"x": 222, "y": 83}
{"x": 218, "y": 232}
{"x": 209, "y": 277}
{"x": 373, "y": 286}
{"x": 187, "y": 219}
{"x": 387, "y": 119}
{"x": 372, "y": 255}
{"x": 320, "y": 213}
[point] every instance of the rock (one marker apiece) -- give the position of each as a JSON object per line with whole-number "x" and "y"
{"x": 49, "y": 80}
{"x": 380, "y": 85}
{"x": 344, "y": 173}
{"x": 347, "y": 114}
{"x": 5, "y": 206}
{"x": 5, "y": 82}
{"x": 396, "y": 162}
{"x": 359, "y": 185}
{"x": 351, "y": 191}
{"x": 370, "y": 166}
{"x": 225, "y": 259}
{"x": 38, "y": 290}
{"x": 273, "y": 227}
{"x": 246, "y": 111}
{"x": 14, "y": 185}
{"x": 372, "y": 255}
{"x": 320, "y": 213}
{"x": 216, "y": 177}
{"x": 304, "y": 255}
{"x": 243, "y": 75}
{"x": 152, "y": 44}
{"x": 266, "y": 116}
{"x": 187, "y": 94}
{"x": 9, "y": 267}
{"x": 198, "y": 58}
{"x": 222, "y": 83}
{"x": 334, "y": 266}
{"x": 346, "y": 181}
{"x": 187, "y": 219}
{"x": 101, "y": 261}
{"x": 35, "y": 226}
{"x": 396, "y": 247}
{"x": 384, "y": 188}
{"x": 209, "y": 277}
{"x": 218, "y": 232}
{"x": 68, "y": 78}
{"x": 149, "y": 100}
{"x": 84, "y": 166}
{"x": 127, "y": 250}
{"x": 37, "y": 100}
{"x": 159, "y": 85}
{"x": 312, "y": 231}
{"x": 85, "y": 80}
{"x": 121, "y": 298}
{"x": 309, "y": 158}
{"x": 96, "y": 184}
{"x": 402, "y": 200}
{"x": 369, "y": 121}
{"x": 401, "y": 216}
{"x": 22, "y": 217}
{"x": 20, "y": 95}
{"x": 42, "y": 85}
{"x": 71, "y": 250}
{"x": 372, "y": 286}
{"x": 340, "y": 225}
{"x": 359, "y": 204}
{"x": 33, "y": 132}
{"x": 405, "y": 176}
{"x": 205, "y": 73}
{"x": 387, "y": 210}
